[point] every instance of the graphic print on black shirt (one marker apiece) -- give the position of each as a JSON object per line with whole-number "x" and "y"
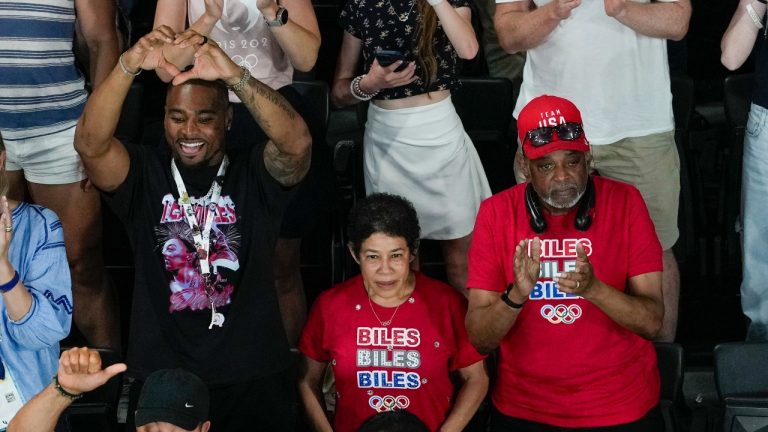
{"x": 174, "y": 241}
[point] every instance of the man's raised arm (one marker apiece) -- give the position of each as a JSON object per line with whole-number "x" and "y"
{"x": 105, "y": 159}
{"x": 287, "y": 153}
{"x": 489, "y": 318}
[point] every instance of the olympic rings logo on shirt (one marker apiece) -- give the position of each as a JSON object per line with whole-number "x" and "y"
{"x": 561, "y": 313}
{"x": 388, "y": 403}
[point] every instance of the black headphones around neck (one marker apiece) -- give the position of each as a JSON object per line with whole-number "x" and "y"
{"x": 583, "y": 215}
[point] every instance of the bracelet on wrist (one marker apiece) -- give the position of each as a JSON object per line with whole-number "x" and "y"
{"x": 10, "y": 284}
{"x": 434, "y": 3}
{"x": 125, "y": 69}
{"x": 505, "y": 298}
{"x": 357, "y": 92}
{"x": 753, "y": 15}
{"x": 243, "y": 80}
{"x": 62, "y": 392}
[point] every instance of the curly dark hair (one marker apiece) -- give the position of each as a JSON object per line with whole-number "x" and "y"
{"x": 384, "y": 213}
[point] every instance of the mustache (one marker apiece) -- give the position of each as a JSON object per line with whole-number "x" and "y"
{"x": 562, "y": 187}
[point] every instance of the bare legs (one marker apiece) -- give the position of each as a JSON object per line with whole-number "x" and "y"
{"x": 290, "y": 288}
{"x": 455, "y": 256}
{"x": 456, "y": 262}
{"x": 670, "y": 286}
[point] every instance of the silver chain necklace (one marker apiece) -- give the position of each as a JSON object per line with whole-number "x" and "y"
{"x": 403, "y": 17}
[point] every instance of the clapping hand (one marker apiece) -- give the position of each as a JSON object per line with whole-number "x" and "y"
{"x": 6, "y": 222}
{"x": 582, "y": 279}
{"x": 615, "y": 8}
{"x": 527, "y": 267}
{"x": 214, "y": 9}
{"x": 561, "y": 9}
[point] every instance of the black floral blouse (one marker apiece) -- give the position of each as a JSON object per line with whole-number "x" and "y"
{"x": 392, "y": 25}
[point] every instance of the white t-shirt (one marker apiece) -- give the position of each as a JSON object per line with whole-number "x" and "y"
{"x": 618, "y": 78}
{"x": 243, "y": 34}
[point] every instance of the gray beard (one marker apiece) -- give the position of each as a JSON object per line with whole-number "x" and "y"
{"x": 566, "y": 205}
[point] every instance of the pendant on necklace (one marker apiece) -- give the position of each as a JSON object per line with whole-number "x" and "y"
{"x": 217, "y": 318}
{"x": 403, "y": 17}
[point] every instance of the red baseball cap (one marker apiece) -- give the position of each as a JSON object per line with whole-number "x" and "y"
{"x": 549, "y": 111}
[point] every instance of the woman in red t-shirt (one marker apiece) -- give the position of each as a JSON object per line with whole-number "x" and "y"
{"x": 392, "y": 335}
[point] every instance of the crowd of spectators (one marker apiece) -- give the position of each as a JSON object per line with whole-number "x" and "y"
{"x": 561, "y": 283}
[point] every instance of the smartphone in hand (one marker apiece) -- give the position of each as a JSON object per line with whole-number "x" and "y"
{"x": 387, "y": 57}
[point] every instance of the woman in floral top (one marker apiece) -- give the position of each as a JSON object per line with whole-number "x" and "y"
{"x": 415, "y": 144}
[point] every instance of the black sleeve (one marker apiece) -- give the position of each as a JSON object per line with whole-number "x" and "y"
{"x": 273, "y": 195}
{"x": 121, "y": 200}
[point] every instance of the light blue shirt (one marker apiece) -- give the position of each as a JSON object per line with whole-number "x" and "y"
{"x": 29, "y": 347}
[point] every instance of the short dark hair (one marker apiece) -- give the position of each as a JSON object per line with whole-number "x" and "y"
{"x": 383, "y": 213}
{"x": 393, "y": 421}
{"x": 222, "y": 94}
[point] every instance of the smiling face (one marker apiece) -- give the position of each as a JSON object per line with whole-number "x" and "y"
{"x": 385, "y": 265}
{"x": 196, "y": 121}
{"x": 560, "y": 179}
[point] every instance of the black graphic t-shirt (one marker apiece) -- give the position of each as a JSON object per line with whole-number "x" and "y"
{"x": 171, "y": 311}
{"x": 392, "y": 25}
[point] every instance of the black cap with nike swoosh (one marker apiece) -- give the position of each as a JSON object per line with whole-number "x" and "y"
{"x": 173, "y": 396}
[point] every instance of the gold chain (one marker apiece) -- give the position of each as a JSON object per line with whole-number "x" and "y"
{"x": 387, "y": 322}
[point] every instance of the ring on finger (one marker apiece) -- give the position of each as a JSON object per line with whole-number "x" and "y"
{"x": 205, "y": 40}
{"x": 578, "y": 284}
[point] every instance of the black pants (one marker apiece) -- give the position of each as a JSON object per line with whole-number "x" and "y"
{"x": 263, "y": 404}
{"x": 652, "y": 421}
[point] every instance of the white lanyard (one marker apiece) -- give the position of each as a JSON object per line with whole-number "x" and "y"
{"x": 202, "y": 237}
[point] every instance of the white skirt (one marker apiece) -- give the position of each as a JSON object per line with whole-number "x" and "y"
{"x": 423, "y": 154}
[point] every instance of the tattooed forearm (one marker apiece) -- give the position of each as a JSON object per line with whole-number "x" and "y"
{"x": 287, "y": 169}
{"x": 250, "y": 96}
{"x": 287, "y": 152}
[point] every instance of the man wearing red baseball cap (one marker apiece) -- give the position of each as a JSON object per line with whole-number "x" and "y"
{"x": 565, "y": 279}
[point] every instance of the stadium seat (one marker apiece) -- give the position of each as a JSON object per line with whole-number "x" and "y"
{"x": 741, "y": 378}
{"x": 670, "y": 362}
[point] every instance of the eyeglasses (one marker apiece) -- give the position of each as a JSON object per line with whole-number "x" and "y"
{"x": 570, "y": 131}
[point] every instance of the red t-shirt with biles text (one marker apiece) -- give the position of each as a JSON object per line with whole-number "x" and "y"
{"x": 565, "y": 362}
{"x": 405, "y": 365}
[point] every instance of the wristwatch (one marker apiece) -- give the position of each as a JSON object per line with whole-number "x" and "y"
{"x": 281, "y": 17}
